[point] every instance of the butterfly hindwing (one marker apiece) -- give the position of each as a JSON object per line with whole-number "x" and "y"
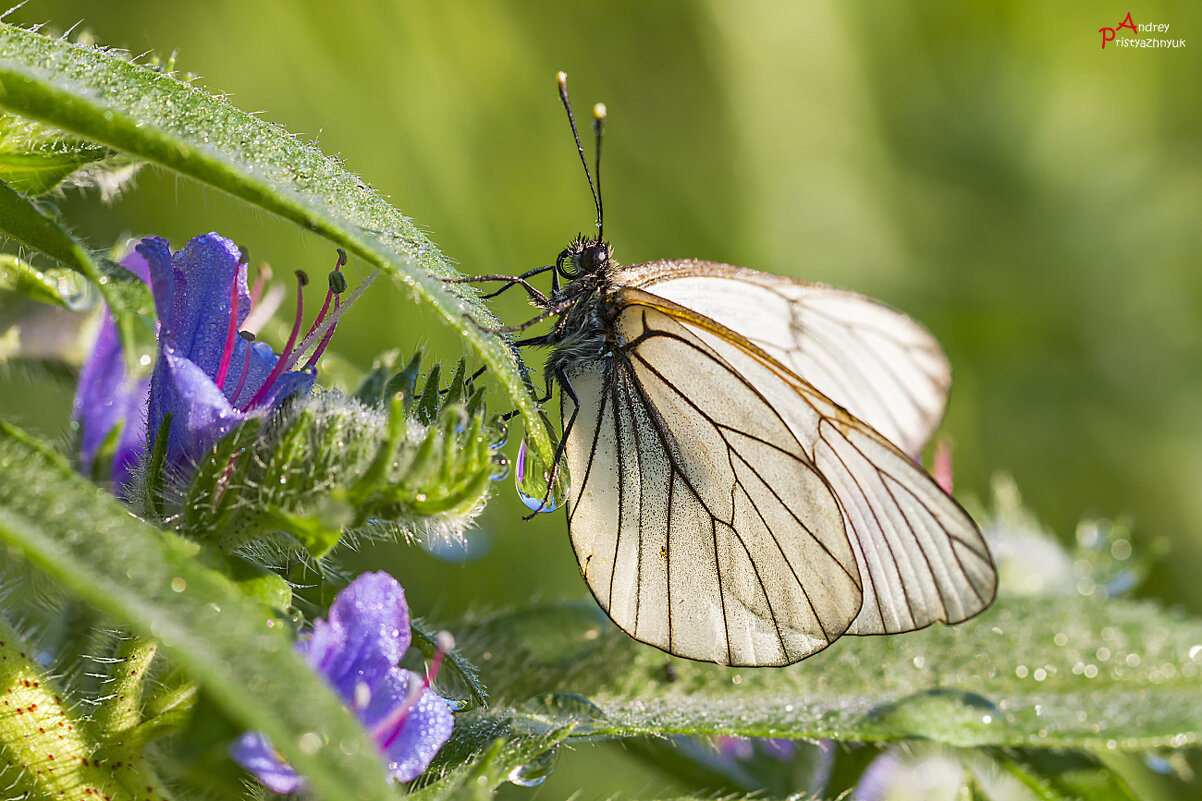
{"x": 922, "y": 559}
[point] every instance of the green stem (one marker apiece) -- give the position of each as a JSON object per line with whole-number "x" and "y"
{"x": 47, "y": 751}
{"x": 123, "y": 710}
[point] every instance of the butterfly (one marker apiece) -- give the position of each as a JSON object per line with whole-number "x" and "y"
{"x": 741, "y": 451}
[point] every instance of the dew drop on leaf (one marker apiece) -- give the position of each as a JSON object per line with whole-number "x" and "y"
{"x": 955, "y": 717}
{"x": 536, "y": 771}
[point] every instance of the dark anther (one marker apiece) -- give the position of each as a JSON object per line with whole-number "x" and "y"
{"x": 302, "y": 277}
{"x": 341, "y": 257}
{"x": 337, "y": 282}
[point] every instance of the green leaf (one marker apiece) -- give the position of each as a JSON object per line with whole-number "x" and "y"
{"x": 22, "y": 279}
{"x": 36, "y": 173}
{"x": 156, "y": 117}
{"x": 126, "y": 296}
{"x": 1046, "y": 672}
{"x": 1064, "y": 776}
{"x": 487, "y": 749}
{"x": 154, "y": 582}
{"x": 35, "y": 159}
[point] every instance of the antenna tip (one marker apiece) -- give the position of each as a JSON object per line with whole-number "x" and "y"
{"x": 599, "y": 112}
{"x": 561, "y": 78}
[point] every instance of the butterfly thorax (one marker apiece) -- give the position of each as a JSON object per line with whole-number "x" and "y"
{"x": 582, "y": 332}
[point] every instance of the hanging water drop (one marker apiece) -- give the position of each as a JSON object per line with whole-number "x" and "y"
{"x": 78, "y": 294}
{"x": 49, "y": 210}
{"x": 536, "y": 771}
{"x": 531, "y": 475}
{"x": 500, "y": 468}
{"x": 499, "y": 430}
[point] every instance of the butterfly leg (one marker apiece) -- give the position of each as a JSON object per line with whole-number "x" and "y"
{"x": 549, "y": 311}
{"x": 561, "y": 377}
{"x": 511, "y": 281}
{"x": 530, "y": 342}
{"x": 468, "y": 380}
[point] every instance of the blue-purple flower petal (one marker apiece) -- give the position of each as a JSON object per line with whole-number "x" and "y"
{"x": 194, "y": 301}
{"x": 107, "y": 395}
{"x": 366, "y": 633}
{"x": 356, "y": 650}
{"x": 200, "y": 413}
{"x": 192, "y": 291}
{"x": 253, "y": 751}
{"x": 411, "y": 746}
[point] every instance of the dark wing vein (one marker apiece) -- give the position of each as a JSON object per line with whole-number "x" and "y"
{"x": 730, "y": 449}
{"x": 876, "y": 521}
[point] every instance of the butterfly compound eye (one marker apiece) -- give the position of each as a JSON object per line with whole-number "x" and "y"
{"x": 594, "y": 257}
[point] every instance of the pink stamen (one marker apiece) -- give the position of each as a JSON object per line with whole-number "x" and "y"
{"x": 249, "y": 337}
{"x": 387, "y": 730}
{"x": 321, "y": 315}
{"x": 321, "y": 348}
{"x": 228, "y": 353}
{"x": 282, "y": 362}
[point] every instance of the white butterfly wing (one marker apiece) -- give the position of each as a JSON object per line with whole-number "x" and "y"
{"x": 872, "y": 360}
{"x": 922, "y": 559}
{"x": 700, "y": 524}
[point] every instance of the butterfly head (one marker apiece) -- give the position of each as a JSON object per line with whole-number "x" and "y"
{"x": 584, "y": 257}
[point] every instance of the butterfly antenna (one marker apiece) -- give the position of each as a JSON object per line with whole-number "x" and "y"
{"x": 599, "y": 128}
{"x": 562, "y": 80}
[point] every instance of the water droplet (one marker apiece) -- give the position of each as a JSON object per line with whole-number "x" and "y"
{"x": 1158, "y": 764}
{"x": 954, "y": 717}
{"x": 49, "y": 210}
{"x": 78, "y": 293}
{"x": 500, "y": 470}
{"x": 500, "y": 434}
{"x": 310, "y": 743}
{"x": 548, "y": 713}
{"x": 532, "y": 475}
{"x": 536, "y": 771}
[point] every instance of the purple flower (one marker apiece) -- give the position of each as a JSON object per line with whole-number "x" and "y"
{"x": 733, "y": 747}
{"x": 208, "y": 378}
{"x": 108, "y": 396}
{"x": 932, "y": 773}
{"x": 356, "y": 650}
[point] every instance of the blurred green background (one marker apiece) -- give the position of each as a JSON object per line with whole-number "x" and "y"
{"x": 989, "y": 169}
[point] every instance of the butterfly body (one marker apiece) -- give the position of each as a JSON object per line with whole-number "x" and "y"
{"x": 742, "y": 450}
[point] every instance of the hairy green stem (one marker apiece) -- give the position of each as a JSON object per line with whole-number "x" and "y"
{"x": 46, "y": 750}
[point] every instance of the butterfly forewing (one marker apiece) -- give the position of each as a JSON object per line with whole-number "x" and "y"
{"x": 921, "y": 557}
{"x": 700, "y": 523}
{"x": 872, "y": 360}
